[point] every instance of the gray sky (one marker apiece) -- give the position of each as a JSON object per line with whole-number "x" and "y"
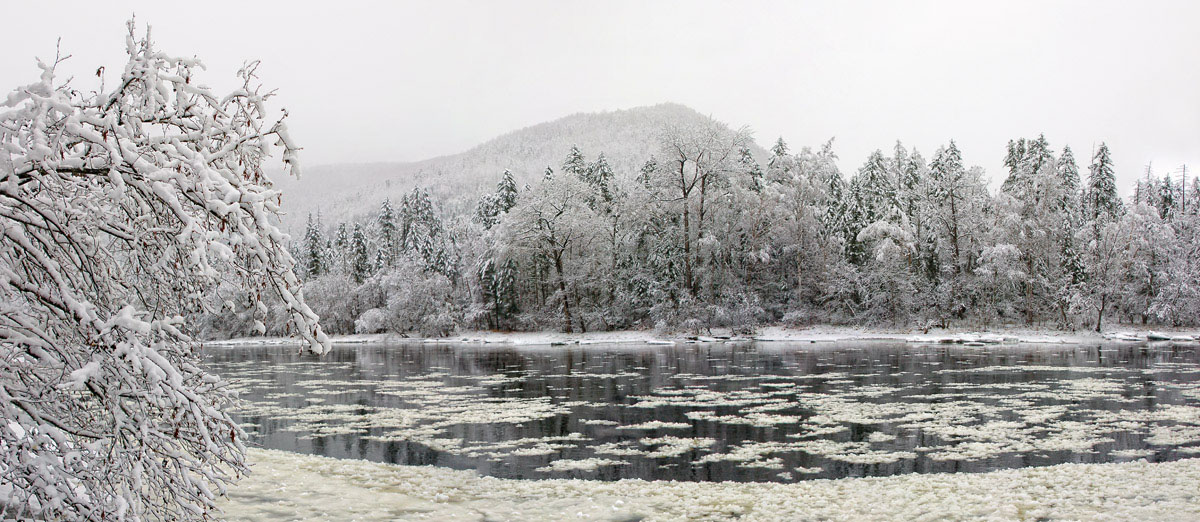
{"x": 410, "y": 80}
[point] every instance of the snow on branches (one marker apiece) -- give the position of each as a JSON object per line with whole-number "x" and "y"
{"x": 120, "y": 211}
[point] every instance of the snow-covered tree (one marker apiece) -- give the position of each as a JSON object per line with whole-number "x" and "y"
{"x": 1102, "y": 201}
{"x": 121, "y": 210}
{"x": 314, "y": 250}
{"x": 871, "y": 198}
{"x": 599, "y": 176}
{"x": 575, "y": 163}
{"x": 1068, "y": 170}
{"x": 551, "y": 223}
{"x": 389, "y": 235}
{"x": 506, "y": 192}
{"x": 889, "y": 294}
{"x": 780, "y": 149}
{"x": 492, "y": 205}
{"x": 340, "y": 249}
{"x": 698, "y": 158}
{"x": 360, "y": 255}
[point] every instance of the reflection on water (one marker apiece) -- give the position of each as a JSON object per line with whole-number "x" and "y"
{"x": 767, "y": 412}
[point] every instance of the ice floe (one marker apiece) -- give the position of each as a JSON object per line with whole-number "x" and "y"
{"x": 285, "y": 486}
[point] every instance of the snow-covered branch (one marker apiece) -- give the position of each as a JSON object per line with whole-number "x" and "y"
{"x": 121, "y": 211}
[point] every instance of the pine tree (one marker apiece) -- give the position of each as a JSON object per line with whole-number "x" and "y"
{"x": 948, "y": 184}
{"x": 1165, "y": 200}
{"x": 872, "y": 197}
{"x": 1014, "y": 159}
{"x": 486, "y": 273}
{"x": 498, "y": 289}
{"x": 506, "y": 192}
{"x": 389, "y": 240}
{"x": 492, "y": 206}
{"x": 507, "y": 299}
{"x": 646, "y": 173}
{"x": 751, "y": 168}
{"x": 575, "y": 163}
{"x": 1194, "y": 197}
{"x": 314, "y": 248}
{"x": 1103, "y": 203}
{"x": 1029, "y": 163}
{"x": 780, "y": 149}
{"x": 360, "y": 257}
{"x": 341, "y": 248}
{"x": 1068, "y": 175}
{"x": 1038, "y": 158}
{"x": 599, "y": 176}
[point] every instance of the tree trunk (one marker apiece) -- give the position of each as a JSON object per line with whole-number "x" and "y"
{"x": 1029, "y": 292}
{"x": 562, "y": 290}
{"x": 687, "y": 250}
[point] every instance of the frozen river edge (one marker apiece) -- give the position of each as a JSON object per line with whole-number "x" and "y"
{"x": 289, "y": 486}
{"x": 769, "y": 334}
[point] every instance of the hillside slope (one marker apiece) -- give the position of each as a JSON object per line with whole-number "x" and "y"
{"x": 344, "y": 192}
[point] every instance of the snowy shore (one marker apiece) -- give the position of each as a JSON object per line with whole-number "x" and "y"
{"x": 821, "y": 334}
{"x": 288, "y": 486}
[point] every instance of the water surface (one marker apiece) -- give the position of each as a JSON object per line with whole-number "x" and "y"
{"x": 716, "y": 412}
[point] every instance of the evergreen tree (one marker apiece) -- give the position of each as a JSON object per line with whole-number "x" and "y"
{"x": 780, "y": 149}
{"x": 1014, "y": 159}
{"x": 389, "y": 239}
{"x": 872, "y": 198}
{"x": 599, "y": 176}
{"x": 1039, "y": 159}
{"x": 486, "y": 273}
{"x": 829, "y": 179}
{"x": 506, "y": 192}
{"x": 646, "y": 173}
{"x": 341, "y": 247}
{"x": 948, "y": 190}
{"x": 1103, "y": 203}
{"x": 485, "y": 211}
{"x": 360, "y": 257}
{"x": 751, "y": 168}
{"x": 1194, "y": 197}
{"x": 492, "y": 206}
{"x": 379, "y": 263}
{"x": 1068, "y": 175}
{"x": 314, "y": 248}
{"x": 1165, "y": 200}
{"x": 1029, "y": 163}
{"x": 498, "y": 288}
{"x": 575, "y": 163}
{"x": 507, "y": 300}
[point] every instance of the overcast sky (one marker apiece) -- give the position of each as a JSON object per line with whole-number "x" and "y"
{"x": 410, "y": 80}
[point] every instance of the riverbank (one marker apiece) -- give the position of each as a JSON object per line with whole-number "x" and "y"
{"x": 288, "y": 486}
{"x": 818, "y": 334}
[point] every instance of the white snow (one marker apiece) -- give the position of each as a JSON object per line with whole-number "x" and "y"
{"x": 286, "y": 486}
{"x": 818, "y": 334}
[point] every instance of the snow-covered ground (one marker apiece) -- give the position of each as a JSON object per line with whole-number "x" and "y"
{"x": 288, "y": 486}
{"x": 768, "y": 334}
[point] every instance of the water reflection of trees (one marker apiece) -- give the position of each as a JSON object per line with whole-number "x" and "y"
{"x": 607, "y": 382}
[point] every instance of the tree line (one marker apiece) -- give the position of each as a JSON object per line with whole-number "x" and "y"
{"x": 705, "y": 235}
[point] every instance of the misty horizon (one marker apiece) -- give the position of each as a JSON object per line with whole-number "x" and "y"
{"x": 433, "y": 80}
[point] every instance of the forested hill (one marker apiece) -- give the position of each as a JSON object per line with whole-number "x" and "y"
{"x": 344, "y": 192}
{"x": 681, "y": 225}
